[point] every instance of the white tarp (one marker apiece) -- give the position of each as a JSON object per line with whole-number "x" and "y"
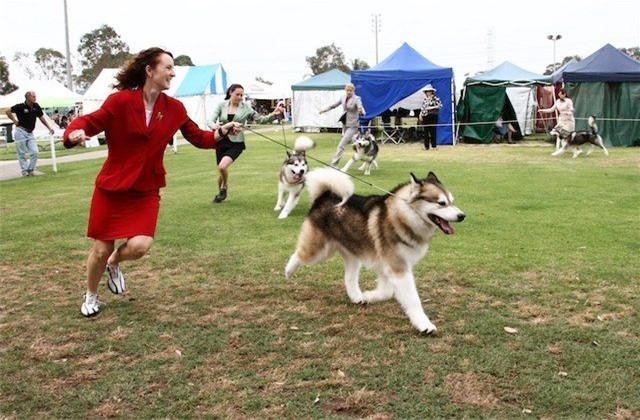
{"x": 260, "y": 90}
{"x": 524, "y": 104}
{"x": 308, "y": 103}
{"x": 49, "y": 94}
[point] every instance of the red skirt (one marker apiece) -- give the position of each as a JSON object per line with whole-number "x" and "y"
{"x": 120, "y": 215}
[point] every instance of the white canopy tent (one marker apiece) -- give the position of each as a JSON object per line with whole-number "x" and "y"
{"x": 264, "y": 91}
{"x": 49, "y": 94}
{"x": 313, "y": 94}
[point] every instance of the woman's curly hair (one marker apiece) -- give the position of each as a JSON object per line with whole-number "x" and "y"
{"x": 133, "y": 73}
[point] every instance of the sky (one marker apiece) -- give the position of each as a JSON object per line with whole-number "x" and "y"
{"x": 271, "y": 39}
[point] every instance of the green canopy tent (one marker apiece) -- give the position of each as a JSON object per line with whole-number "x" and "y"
{"x": 506, "y": 90}
{"x": 606, "y": 84}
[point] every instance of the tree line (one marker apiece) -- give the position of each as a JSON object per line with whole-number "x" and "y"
{"x": 98, "y": 49}
{"x": 105, "y": 48}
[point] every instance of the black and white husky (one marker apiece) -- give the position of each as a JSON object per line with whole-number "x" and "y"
{"x": 365, "y": 148}
{"x": 292, "y": 176}
{"x": 387, "y": 233}
{"x": 576, "y": 139}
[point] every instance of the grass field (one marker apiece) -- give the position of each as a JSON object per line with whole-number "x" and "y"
{"x": 210, "y": 328}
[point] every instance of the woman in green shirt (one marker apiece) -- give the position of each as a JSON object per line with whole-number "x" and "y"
{"x": 233, "y": 108}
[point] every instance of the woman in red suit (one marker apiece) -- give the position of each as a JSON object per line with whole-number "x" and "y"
{"x": 139, "y": 121}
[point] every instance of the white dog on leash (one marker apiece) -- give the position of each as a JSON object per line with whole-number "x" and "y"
{"x": 292, "y": 176}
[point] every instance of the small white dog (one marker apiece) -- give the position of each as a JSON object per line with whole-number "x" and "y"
{"x": 292, "y": 176}
{"x": 365, "y": 148}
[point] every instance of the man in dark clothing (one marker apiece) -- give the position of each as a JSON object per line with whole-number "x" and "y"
{"x": 24, "y": 117}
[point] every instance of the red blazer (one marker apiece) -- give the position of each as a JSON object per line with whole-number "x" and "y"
{"x": 134, "y": 160}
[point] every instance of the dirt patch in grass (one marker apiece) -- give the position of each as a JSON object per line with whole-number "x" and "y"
{"x": 471, "y": 388}
{"x": 626, "y": 414}
{"x": 531, "y": 313}
{"x": 359, "y": 403}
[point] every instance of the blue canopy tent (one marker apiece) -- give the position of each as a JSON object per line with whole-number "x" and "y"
{"x": 400, "y": 75}
{"x": 607, "y": 84}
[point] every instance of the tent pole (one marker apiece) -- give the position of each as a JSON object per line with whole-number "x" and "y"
{"x": 53, "y": 154}
{"x": 464, "y": 92}
{"x": 454, "y": 129}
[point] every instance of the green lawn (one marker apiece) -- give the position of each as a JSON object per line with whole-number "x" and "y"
{"x": 210, "y": 328}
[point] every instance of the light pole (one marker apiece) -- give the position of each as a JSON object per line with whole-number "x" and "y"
{"x": 376, "y": 23}
{"x": 554, "y": 38}
{"x": 66, "y": 33}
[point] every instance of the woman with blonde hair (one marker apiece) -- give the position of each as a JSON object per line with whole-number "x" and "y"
{"x": 353, "y": 109}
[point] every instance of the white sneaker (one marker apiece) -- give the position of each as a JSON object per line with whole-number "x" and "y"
{"x": 90, "y": 306}
{"x": 115, "y": 279}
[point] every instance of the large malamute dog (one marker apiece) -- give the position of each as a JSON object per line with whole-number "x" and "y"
{"x": 387, "y": 233}
{"x": 365, "y": 148}
{"x": 578, "y": 138}
{"x": 292, "y": 176}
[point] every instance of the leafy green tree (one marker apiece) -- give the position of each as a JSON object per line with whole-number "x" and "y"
{"x": 6, "y": 86}
{"x": 633, "y": 52}
{"x": 183, "y": 60}
{"x": 550, "y": 67}
{"x": 358, "y": 64}
{"x": 99, "y": 49}
{"x": 52, "y": 63}
{"x": 327, "y": 58}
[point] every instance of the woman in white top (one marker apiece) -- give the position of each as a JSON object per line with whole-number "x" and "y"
{"x": 566, "y": 122}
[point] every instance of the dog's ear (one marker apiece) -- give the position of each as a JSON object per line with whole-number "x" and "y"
{"x": 432, "y": 178}
{"x": 288, "y": 154}
{"x": 414, "y": 179}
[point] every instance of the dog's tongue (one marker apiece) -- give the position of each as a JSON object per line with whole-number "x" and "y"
{"x": 446, "y": 227}
{"x": 297, "y": 177}
{"x": 442, "y": 224}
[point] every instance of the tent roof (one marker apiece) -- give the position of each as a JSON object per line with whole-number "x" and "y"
{"x": 556, "y": 76}
{"x": 259, "y": 90}
{"x": 608, "y": 64}
{"x": 508, "y": 74}
{"x": 201, "y": 80}
{"x": 49, "y": 94}
{"x": 404, "y": 62}
{"x": 189, "y": 81}
{"x": 329, "y": 80}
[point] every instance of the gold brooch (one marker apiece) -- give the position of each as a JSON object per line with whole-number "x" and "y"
{"x": 159, "y": 115}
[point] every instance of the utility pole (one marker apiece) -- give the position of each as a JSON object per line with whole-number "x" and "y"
{"x": 376, "y": 24}
{"x": 66, "y": 33}
{"x": 554, "y": 38}
{"x": 491, "y": 40}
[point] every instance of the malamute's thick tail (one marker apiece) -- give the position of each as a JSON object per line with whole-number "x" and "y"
{"x": 329, "y": 179}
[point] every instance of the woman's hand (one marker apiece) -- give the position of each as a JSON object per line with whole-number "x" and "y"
{"x": 279, "y": 108}
{"x": 231, "y": 128}
{"x": 78, "y": 136}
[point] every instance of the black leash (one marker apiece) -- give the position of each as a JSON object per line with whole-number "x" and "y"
{"x": 319, "y": 161}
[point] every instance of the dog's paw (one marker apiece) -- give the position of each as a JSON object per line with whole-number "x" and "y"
{"x": 277, "y": 207}
{"x": 283, "y": 215}
{"x": 429, "y": 331}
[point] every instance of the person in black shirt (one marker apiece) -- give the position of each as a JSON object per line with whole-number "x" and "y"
{"x": 24, "y": 117}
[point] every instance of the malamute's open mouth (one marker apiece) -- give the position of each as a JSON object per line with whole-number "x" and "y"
{"x": 441, "y": 223}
